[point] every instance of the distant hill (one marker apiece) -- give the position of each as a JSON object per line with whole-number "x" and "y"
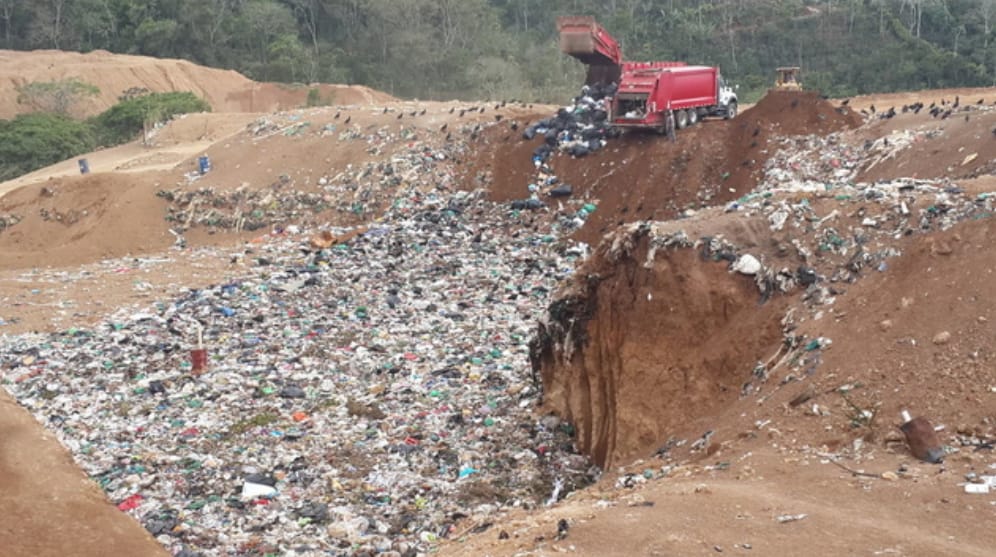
{"x": 114, "y": 74}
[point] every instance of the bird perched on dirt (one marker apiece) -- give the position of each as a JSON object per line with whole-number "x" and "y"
{"x": 337, "y": 114}
{"x": 980, "y": 101}
{"x": 462, "y": 112}
{"x": 994, "y": 132}
{"x": 515, "y": 126}
{"x": 757, "y": 130}
{"x": 414, "y": 113}
{"x": 400, "y": 114}
{"x": 385, "y": 110}
{"x": 443, "y": 127}
{"x": 844, "y": 102}
{"x": 348, "y": 118}
{"x": 562, "y": 527}
{"x": 498, "y": 117}
{"x": 957, "y": 102}
{"x": 452, "y": 108}
{"x": 872, "y": 109}
{"x": 422, "y": 113}
{"x": 482, "y": 109}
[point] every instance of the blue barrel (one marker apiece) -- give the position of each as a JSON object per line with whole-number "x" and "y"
{"x": 84, "y": 166}
{"x": 204, "y": 164}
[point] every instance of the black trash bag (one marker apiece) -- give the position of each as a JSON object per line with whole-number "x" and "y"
{"x": 564, "y": 190}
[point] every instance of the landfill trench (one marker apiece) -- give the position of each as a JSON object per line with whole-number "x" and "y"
{"x": 364, "y": 397}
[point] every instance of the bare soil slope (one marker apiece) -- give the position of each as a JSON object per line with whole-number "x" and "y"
{"x": 641, "y": 176}
{"x": 52, "y": 508}
{"x": 113, "y": 74}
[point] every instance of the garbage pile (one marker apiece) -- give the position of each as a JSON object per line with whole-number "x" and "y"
{"x": 577, "y": 130}
{"x": 359, "y": 192}
{"x": 8, "y": 220}
{"x": 373, "y": 396}
{"x": 240, "y": 209}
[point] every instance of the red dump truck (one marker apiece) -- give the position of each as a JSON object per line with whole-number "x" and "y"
{"x": 667, "y": 96}
{"x": 657, "y": 95}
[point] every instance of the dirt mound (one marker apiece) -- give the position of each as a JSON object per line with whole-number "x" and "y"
{"x": 921, "y": 146}
{"x": 113, "y": 74}
{"x": 636, "y": 351}
{"x": 802, "y": 113}
{"x": 273, "y": 97}
{"x": 74, "y": 220}
{"x": 643, "y": 176}
{"x": 639, "y": 176}
{"x": 918, "y": 336}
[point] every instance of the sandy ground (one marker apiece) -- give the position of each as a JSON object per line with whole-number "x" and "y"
{"x": 736, "y": 510}
{"x": 108, "y": 249}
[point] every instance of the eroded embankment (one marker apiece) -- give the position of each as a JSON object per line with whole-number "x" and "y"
{"x": 647, "y": 339}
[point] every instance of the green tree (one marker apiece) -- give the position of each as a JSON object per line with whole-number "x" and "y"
{"x": 125, "y": 120}
{"x": 59, "y": 97}
{"x": 33, "y": 141}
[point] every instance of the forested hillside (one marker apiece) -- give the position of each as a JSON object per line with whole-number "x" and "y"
{"x": 508, "y": 48}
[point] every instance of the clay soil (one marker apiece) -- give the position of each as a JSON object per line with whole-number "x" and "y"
{"x": 675, "y": 341}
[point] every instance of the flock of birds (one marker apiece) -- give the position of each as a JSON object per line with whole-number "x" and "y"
{"x": 942, "y": 110}
{"x": 477, "y": 109}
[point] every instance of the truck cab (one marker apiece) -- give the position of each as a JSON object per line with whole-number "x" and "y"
{"x": 727, "y": 101}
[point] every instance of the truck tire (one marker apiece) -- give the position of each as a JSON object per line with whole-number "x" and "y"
{"x": 682, "y": 119}
{"x": 731, "y": 110}
{"x": 693, "y": 116}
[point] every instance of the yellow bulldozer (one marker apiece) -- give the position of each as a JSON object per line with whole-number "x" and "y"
{"x": 787, "y": 79}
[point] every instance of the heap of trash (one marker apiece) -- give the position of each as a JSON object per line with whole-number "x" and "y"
{"x": 371, "y": 396}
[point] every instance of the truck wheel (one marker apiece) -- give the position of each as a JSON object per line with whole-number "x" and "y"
{"x": 682, "y": 117}
{"x": 731, "y": 110}
{"x": 693, "y": 117}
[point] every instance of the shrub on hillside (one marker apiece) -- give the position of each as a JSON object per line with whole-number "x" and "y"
{"x": 33, "y": 141}
{"x": 59, "y": 97}
{"x": 123, "y": 121}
